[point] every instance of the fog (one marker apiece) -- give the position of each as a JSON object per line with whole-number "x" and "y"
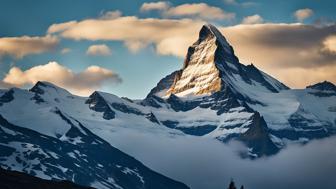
{"x": 209, "y": 164}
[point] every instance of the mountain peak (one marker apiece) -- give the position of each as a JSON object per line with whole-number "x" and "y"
{"x": 201, "y": 73}
{"x": 208, "y": 60}
{"x": 211, "y": 66}
{"x": 209, "y": 30}
{"x": 323, "y": 86}
{"x": 41, "y": 87}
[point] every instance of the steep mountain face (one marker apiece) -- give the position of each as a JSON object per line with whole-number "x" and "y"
{"x": 211, "y": 65}
{"x": 52, "y": 134}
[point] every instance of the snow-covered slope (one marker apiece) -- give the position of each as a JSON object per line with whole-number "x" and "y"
{"x": 44, "y": 135}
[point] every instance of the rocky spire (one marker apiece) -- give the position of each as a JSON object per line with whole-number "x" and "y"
{"x": 200, "y": 74}
{"x": 211, "y": 66}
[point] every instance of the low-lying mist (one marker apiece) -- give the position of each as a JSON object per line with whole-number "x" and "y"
{"x": 209, "y": 164}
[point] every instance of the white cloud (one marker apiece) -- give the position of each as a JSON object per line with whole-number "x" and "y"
{"x": 65, "y": 50}
{"x": 25, "y": 45}
{"x": 59, "y": 27}
{"x": 302, "y": 14}
{"x": 82, "y": 83}
{"x": 199, "y": 10}
{"x": 161, "y": 32}
{"x": 195, "y": 10}
{"x": 254, "y": 19}
{"x": 330, "y": 44}
{"x": 98, "y": 50}
{"x": 279, "y": 49}
{"x": 160, "y": 5}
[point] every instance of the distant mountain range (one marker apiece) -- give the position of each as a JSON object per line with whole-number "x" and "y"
{"x": 52, "y": 134}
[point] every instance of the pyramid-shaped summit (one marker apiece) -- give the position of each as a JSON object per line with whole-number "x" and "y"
{"x": 200, "y": 74}
{"x": 210, "y": 66}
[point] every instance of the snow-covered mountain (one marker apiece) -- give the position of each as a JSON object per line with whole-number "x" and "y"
{"x": 52, "y": 133}
{"x": 39, "y": 138}
{"x": 214, "y": 95}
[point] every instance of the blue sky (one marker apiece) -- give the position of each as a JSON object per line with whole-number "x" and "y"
{"x": 141, "y": 70}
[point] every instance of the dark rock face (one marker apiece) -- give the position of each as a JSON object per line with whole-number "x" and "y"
{"x": 324, "y": 89}
{"x": 17, "y": 180}
{"x": 253, "y": 73}
{"x": 163, "y": 84}
{"x": 38, "y": 87}
{"x": 179, "y": 105}
{"x": 197, "y": 131}
{"x": 151, "y": 117}
{"x": 79, "y": 156}
{"x": 38, "y": 90}
{"x": 97, "y": 103}
{"x": 153, "y": 101}
{"x": 126, "y": 109}
{"x": 305, "y": 127}
{"x": 7, "y": 97}
{"x": 257, "y": 137}
{"x": 222, "y": 101}
{"x": 323, "y": 86}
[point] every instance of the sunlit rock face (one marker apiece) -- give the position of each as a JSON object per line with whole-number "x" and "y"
{"x": 200, "y": 74}
{"x": 211, "y": 65}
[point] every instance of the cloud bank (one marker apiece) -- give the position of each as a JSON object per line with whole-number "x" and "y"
{"x": 210, "y": 164}
{"x": 170, "y": 36}
{"x": 82, "y": 83}
{"x": 280, "y": 49}
{"x": 290, "y": 52}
